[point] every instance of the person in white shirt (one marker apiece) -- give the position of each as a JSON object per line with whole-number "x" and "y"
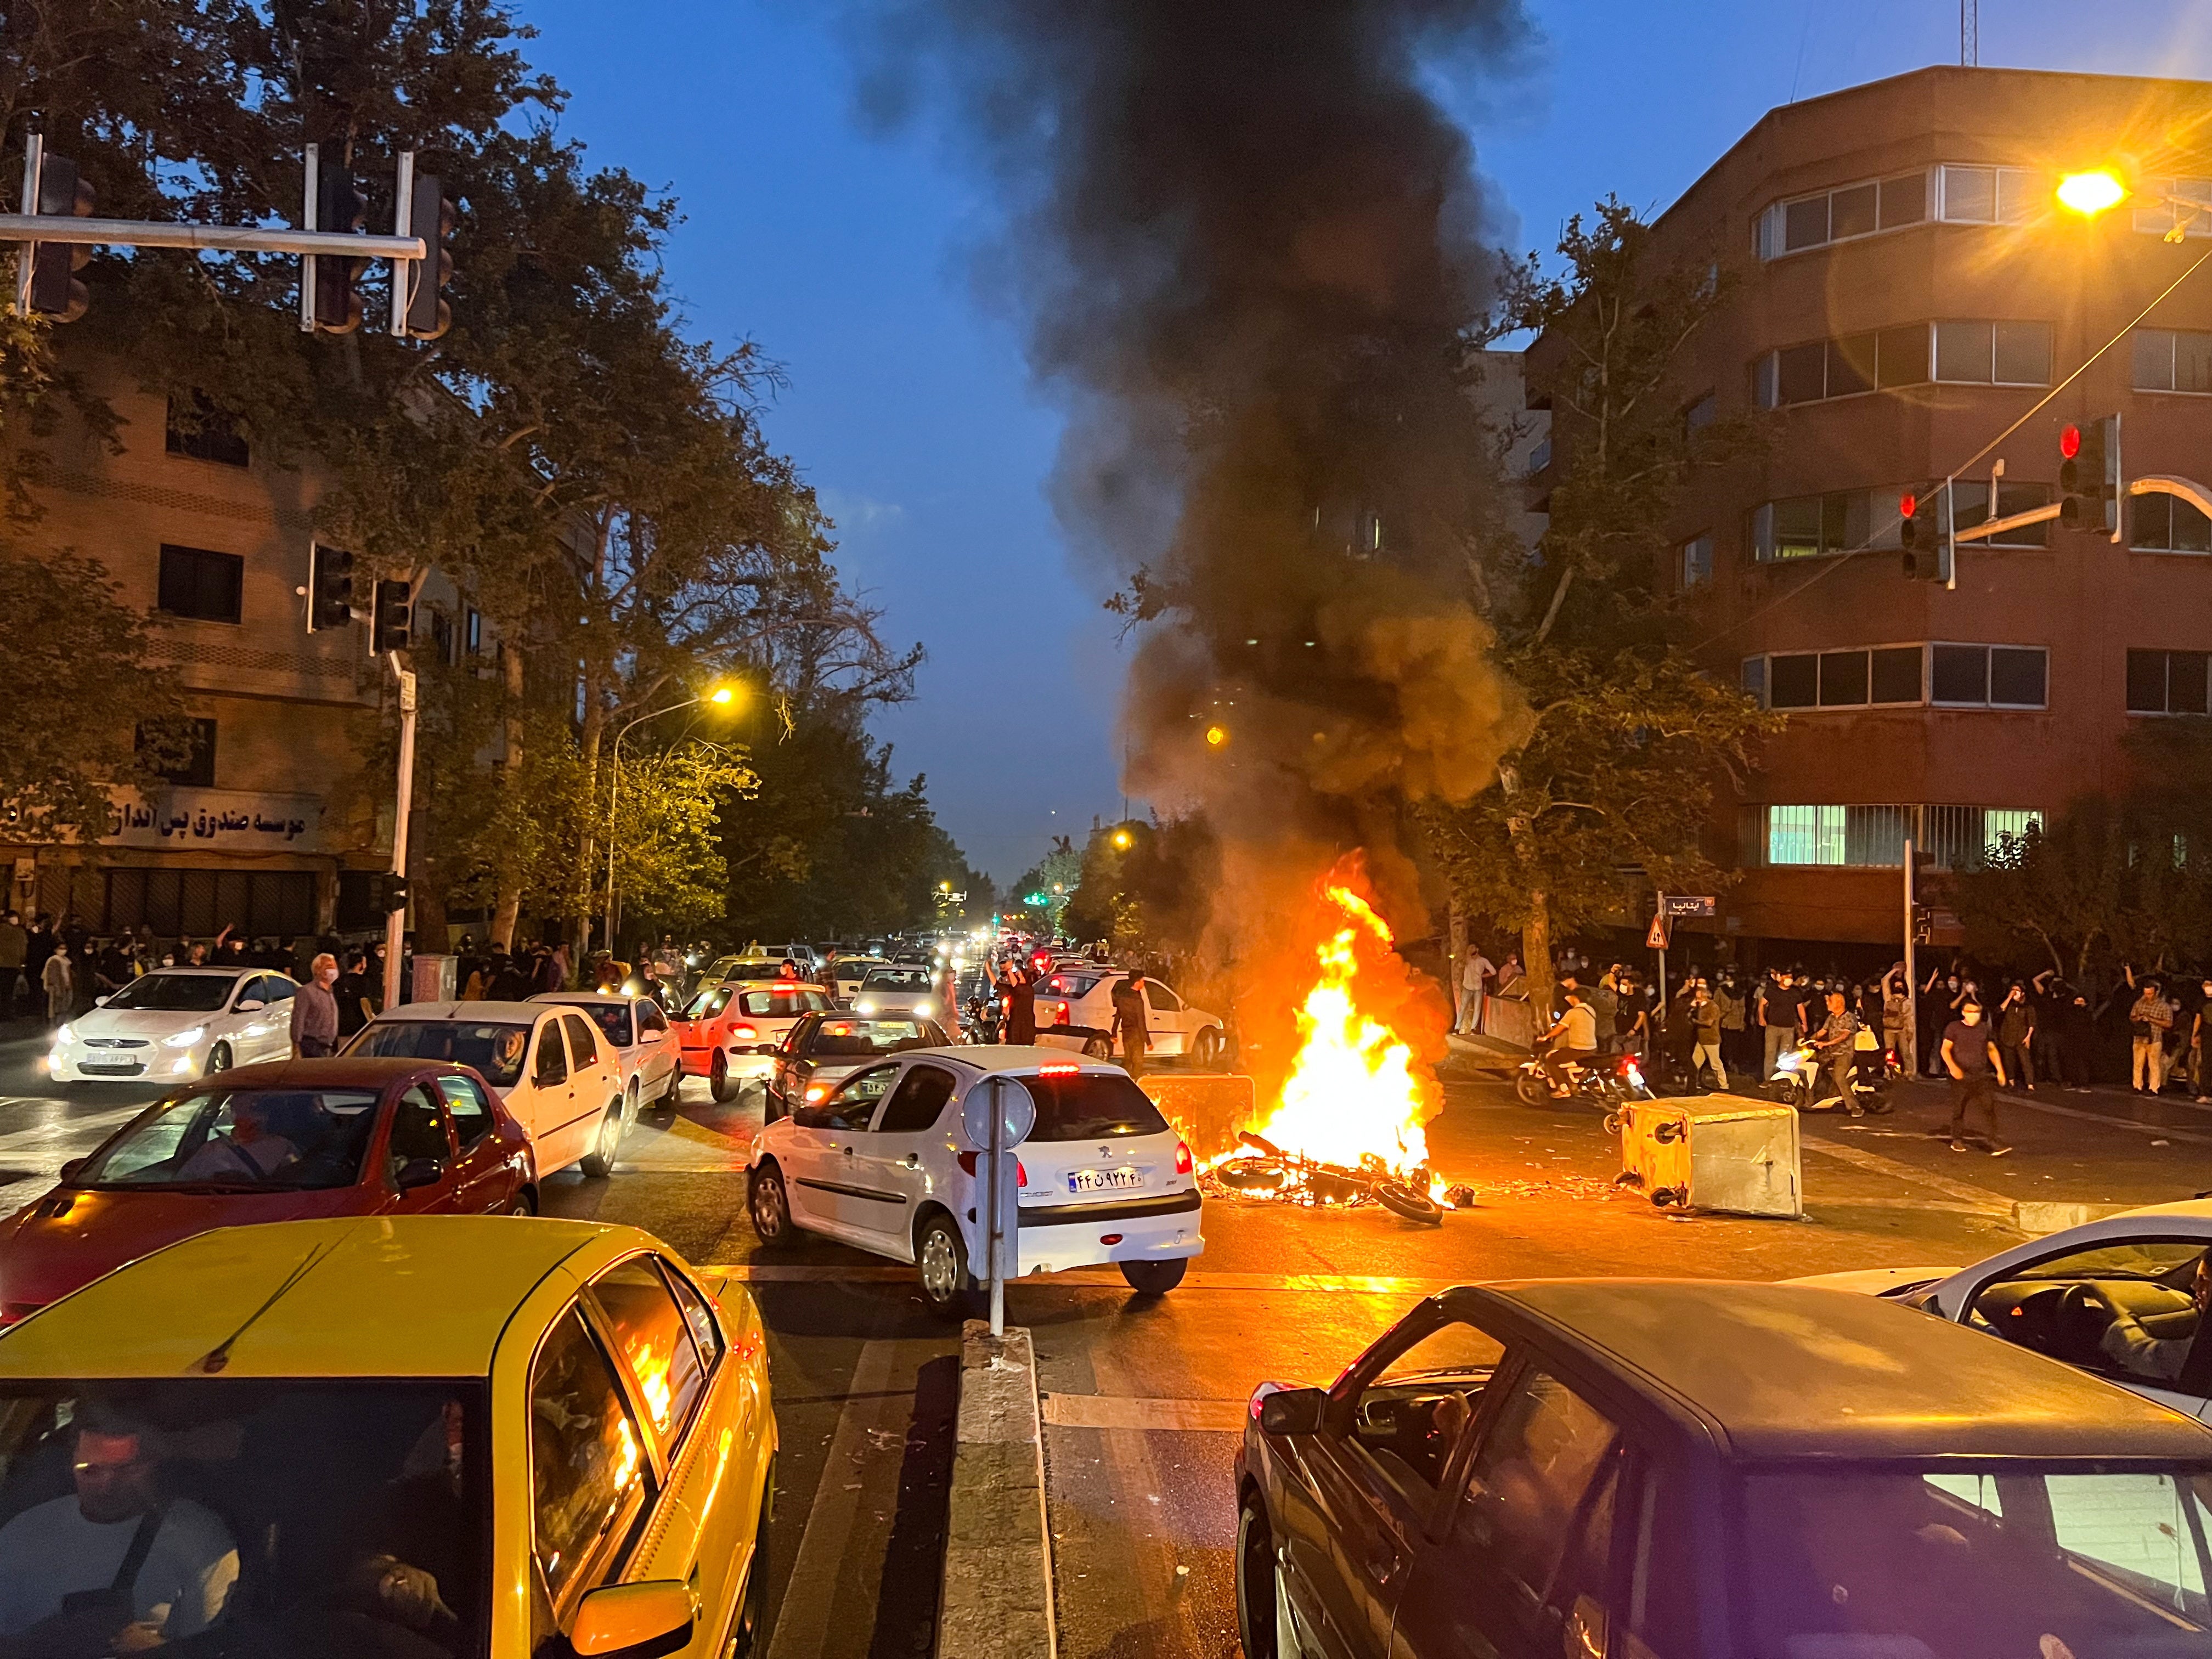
{"x": 1473, "y": 978}
{"x": 114, "y": 1566}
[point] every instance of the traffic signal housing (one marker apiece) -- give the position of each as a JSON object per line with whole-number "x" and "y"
{"x": 338, "y": 206}
{"x": 55, "y": 290}
{"x": 432, "y": 217}
{"x": 387, "y": 892}
{"x": 329, "y": 589}
{"x": 393, "y": 624}
{"x": 2089, "y": 475}
{"x": 1920, "y": 532}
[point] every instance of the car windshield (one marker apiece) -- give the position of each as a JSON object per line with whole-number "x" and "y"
{"x": 896, "y": 979}
{"x": 254, "y": 1140}
{"x": 176, "y": 994}
{"x": 853, "y": 968}
{"x": 494, "y": 1050}
{"x": 613, "y": 1018}
{"x": 1084, "y": 1105}
{"x": 309, "y": 1496}
{"x": 1961, "y": 1560}
{"x": 845, "y": 1038}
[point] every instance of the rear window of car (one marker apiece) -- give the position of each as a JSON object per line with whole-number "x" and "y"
{"x": 1084, "y": 1105}
{"x": 1071, "y": 985}
{"x": 848, "y": 1039}
{"x": 776, "y": 1005}
{"x": 613, "y": 1018}
{"x": 494, "y": 1050}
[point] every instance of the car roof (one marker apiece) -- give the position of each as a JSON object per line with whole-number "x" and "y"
{"x": 337, "y": 1071}
{"x": 209, "y": 971}
{"x": 2189, "y": 1209}
{"x": 525, "y": 1011}
{"x": 289, "y": 1297}
{"x": 587, "y": 999}
{"x": 988, "y": 1057}
{"x": 1790, "y": 1371}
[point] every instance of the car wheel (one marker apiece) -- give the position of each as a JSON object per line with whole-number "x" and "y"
{"x": 718, "y": 1078}
{"x": 1208, "y": 1050}
{"x": 769, "y": 1205}
{"x": 941, "y": 1255}
{"x": 525, "y": 1203}
{"x": 672, "y": 1096}
{"x": 751, "y": 1634}
{"x": 1098, "y": 1049}
{"x": 1256, "y": 1583}
{"x": 1155, "y": 1278}
{"x": 218, "y": 1060}
{"x": 599, "y": 1161}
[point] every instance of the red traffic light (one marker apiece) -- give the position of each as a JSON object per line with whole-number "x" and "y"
{"x": 2069, "y": 442}
{"x": 1906, "y": 504}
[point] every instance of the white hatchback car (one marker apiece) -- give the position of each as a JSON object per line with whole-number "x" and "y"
{"x": 645, "y": 1048}
{"x": 178, "y": 1023}
{"x": 885, "y": 1164}
{"x": 552, "y": 1067}
{"x": 1075, "y": 1010}
{"x": 2055, "y": 1295}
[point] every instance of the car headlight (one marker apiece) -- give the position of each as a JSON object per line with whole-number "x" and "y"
{"x": 62, "y": 1034}
{"x": 185, "y": 1039}
{"x": 865, "y": 1007}
{"x": 924, "y": 1009}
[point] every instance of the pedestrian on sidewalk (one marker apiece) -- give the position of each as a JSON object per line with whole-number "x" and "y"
{"x": 2200, "y": 1081}
{"x": 15, "y": 944}
{"x": 1895, "y": 1001}
{"x": 2074, "y": 1038}
{"x": 1474, "y": 987}
{"x": 315, "y": 1011}
{"x": 1129, "y": 1015}
{"x": 1728, "y": 1002}
{"x": 1970, "y": 1054}
{"x": 59, "y": 984}
{"x": 1705, "y": 1035}
{"x": 2016, "y": 1033}
{"x": 2150, "y": 1016}
{"x": 1776, "y": 1005}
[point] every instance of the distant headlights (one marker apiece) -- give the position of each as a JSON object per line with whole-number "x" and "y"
{"x": 925, "y": 1010}
{"x": 865, "y": 1006}
{"x": 185, "y": 1039}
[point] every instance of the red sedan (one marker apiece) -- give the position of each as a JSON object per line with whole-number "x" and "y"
{"x": 291, "y": 1141}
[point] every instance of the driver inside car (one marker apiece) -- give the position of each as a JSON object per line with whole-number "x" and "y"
{"x": 2135, "y": 1351}
{"x": 251, "y": 1147}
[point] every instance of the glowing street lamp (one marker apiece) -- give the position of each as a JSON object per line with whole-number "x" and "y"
{"x": 1121, "y": 839}
{"x": 721, "y": 697}
{"x": 1216, "y": 736}
{"x": 2091, "y": 194}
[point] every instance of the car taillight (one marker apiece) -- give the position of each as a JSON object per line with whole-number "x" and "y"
{"x": 1060, "y": 1015}
{"x": 1182, "y": 1158}
{"x": 744, "y": 1033}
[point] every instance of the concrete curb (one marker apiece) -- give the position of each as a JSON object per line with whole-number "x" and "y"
{"x": 996, "y": 1598}
{"x": 2039, "y": 1217}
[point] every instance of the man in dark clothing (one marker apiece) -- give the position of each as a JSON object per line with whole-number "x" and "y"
{"x": 1129, "y": 1023}
{"x": 510, "y": 981}
{"x": 353, "y": 997}
{"x": 38, "y": 946}
{"x": 1970, "y": 1054}
{"x": 1017, "y": 994}
{"x": 15, "y": 945}
{"x": 1831, "y": 1047}
{"x": 1776, "y": 1009}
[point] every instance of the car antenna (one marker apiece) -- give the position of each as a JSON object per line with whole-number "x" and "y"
{"x": 216, "y": 1358}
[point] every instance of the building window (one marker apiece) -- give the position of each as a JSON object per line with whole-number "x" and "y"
{"x": 2172, "y": 360}
{"x": 1841, "y": 368}
{"x": 1887, "y": 675}
{"x": 2157, "y": 218}
{"x": 201, "y": 585}
{"x": 1702, "y": 413}
{"x": 2167, "y": 682}
{"x": 1697, "y": 560}
{"x": 1970, "y": 506}
{"x": 1989, "y": 195}
{"x": 1754, "y": 679}
{"x": 1861, "y": 209}
{"x": 1541, "y": 456}
{"x": 2167, "y": 524}
{"x": 1810, "y": 526}
{"x": 204, "y": 432}
{"x": 1963, "y": 837}
{"x": 198, "y": 771}
{"x": 1993, "y": 354}
{"x": 1873, "y": 836}
{"x": 441, "y": 636}
{"x": 1988, "y": 675}
{"x": 473, "y": 639}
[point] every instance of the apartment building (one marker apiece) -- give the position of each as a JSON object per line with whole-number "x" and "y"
{"x": 1907, "y": 288}
{"x": 279, "y": 818}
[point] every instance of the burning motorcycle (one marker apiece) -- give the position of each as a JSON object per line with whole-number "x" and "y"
{"x": 1271, "y": 1172}
{"x": 1799, "y": 1079}
{"x": 1604, "y": 1084}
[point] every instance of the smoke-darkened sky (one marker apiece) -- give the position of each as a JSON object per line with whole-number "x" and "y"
{"x": 849, "y": 252}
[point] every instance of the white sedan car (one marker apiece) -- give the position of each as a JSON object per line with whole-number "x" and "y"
{"x": 2057, "y": 1296}
{"x": 178, "y": 1023}
{"x": 645, "y": 1047}
{"x": 552, "y": 1067}
{"x": 898, "y": 994}
{"x": 1075, "y": 1010}
{"x": 885, "y": 1164}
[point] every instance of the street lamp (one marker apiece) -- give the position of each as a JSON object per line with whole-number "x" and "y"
{"x": 721, "y": 697}
{"x": 1121, "y": 839}
{"x": 2091, "y": 194}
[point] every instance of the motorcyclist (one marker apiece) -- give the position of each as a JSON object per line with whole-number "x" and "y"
{"x": 1833, "y": 1050}
{"x": 1572, "y": 1042}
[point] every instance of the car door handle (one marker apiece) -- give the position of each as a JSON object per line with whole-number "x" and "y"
{"x": 848, "y": 1150}
{"x": 913, "y": 1160}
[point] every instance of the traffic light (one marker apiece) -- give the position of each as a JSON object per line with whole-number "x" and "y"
{"x": 55, "y": 290}
{"x": 392, "y": 626}
{"x": 338, "y": 206}
{"x": 432, "y": 217}
{"x": 387, "y": 892}
{"x": 2089, "y": 475}
{"x": 1920, "y": 532}
{"x": 330, "y": 587}
{"x": 1923, "y": 924}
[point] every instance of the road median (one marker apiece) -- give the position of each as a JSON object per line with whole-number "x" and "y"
{"x": 996, "y": 1600}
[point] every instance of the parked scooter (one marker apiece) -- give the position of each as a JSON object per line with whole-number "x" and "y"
{"x": 1605, "y": 1083}
{"x": 1801, "y": 1081}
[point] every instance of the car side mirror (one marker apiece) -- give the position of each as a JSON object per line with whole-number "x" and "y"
{"x": 421, "y": 1172}
{"x": 251, "y": 1006}
{"x": 1294, "y": 1411}
{"x": 100, "y": 1002}
{"x": 635, "y": 1621}
{"x": 70, "y": 1169}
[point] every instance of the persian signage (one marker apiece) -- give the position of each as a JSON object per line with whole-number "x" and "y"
{"x": 222, "y": 820}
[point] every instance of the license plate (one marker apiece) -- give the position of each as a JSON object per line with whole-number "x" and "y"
{"x": 128, "y": 1066}
{"x": 1103, "y": 1181}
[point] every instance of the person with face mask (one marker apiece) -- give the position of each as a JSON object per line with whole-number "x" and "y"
{"x": 315, "y": 1011}
{"x": 2150, "y": 1016}
{"x": 1778, "y": 1019}
{"x": 1970, "y": 1054}
{"x": 2197, "y": 1076}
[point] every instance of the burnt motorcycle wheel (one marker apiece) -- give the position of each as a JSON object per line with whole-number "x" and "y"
{"x": 1400, "y": 1199}
{"x": 1530, "y": 1088}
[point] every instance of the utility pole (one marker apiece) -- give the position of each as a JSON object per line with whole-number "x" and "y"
{"x": 1909, "y": 1033}
{"x": 395, "y": 924}
{"x": 1970, "y": 42}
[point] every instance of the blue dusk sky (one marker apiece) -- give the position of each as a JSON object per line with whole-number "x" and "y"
{"x": 844, "y": 253}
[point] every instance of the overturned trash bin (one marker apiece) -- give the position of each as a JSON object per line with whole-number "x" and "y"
{"x": 1725, "y": 1154}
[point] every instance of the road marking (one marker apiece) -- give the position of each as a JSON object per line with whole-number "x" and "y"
{"x": 1107, "y": 1410}
{"x": 677, "y": 1166}
{"x": 837, "y": 1573}
{"x": 1982, "y": 1198}
{"x": 2161, "y": 1131}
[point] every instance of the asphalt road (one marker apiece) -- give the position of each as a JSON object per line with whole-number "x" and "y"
{"x": 1143, "y": 1398}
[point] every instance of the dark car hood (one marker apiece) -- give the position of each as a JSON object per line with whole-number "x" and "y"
{"x": 44, "y": 1257}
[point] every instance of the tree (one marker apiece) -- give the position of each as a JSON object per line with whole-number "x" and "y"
{"x": 1627, "y": 738}
{"x": 1057, "y": 876}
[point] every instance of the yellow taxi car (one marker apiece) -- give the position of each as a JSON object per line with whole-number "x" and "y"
{"x": 416, "y": 1436}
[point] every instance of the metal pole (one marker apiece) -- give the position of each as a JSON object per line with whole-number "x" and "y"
{"x": 997, "y": 1231}
{"x": 1909, "y": 1032}
{"x": 395, "y": 925}
{"x": 402, "y": 223}
{"x": 34, "y": 168}
{"x": 310, "y": 210}
{"x": 231, "y": 238}
{"x": 614, "y": 797}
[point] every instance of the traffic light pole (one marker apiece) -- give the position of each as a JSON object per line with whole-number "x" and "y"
{"x": 1908, "y": 1060}
{"x": 395, "y": 924}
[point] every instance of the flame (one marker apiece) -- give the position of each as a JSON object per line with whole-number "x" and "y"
{"x": 1357, "y": 1092}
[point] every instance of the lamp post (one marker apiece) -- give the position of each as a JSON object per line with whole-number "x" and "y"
{"x": 721, "y": 697}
